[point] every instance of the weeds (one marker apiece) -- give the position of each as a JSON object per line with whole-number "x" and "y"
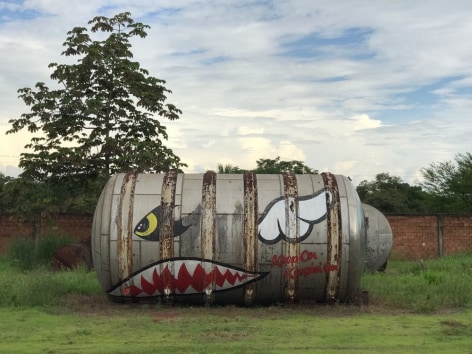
{"x": 446, "y": 283}
{"x": 443, "y": 284}
{"x": 42, "y": 287}
{"x": 26, "y": 255}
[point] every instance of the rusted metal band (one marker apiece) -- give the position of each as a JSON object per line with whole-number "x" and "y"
{"x": 333, "y": 238}
{"x": 208, "y": 230}
{"x": 166, "y": 228}
{"x": 125, "y": 227}
{"x": 250, "y": 231}
{"x": 292, "y": 231}
{"x": 166, "y": 217}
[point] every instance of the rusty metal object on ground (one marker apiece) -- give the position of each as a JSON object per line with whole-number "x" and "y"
{"x": 73, "y": 256}
{"x": 229, "y": 238}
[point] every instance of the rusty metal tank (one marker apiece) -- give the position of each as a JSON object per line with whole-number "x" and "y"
{"x": 379, "y": 239}
{"x": 229, "y": 238}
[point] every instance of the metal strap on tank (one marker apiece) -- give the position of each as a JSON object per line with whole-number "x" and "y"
{"x": 292, "y": 231}
{"x": 334, "y": 237}
{"x": 250, "y": 233}
{"x": 125, "y": 228}
{"x": 208, "y": 232}
{"x": 166, "y": 228}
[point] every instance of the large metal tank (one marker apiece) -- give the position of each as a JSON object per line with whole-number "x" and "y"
{"x": 229, "y": 238}
{"x": 379, "y": 239}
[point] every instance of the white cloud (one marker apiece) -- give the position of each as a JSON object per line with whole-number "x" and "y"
{"x": 347, "y": 98}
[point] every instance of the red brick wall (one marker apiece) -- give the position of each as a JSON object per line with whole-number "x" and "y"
{"x": 457, "y": 234}
{"x": 78, "y": 226}
{"x": 414, "y": 236}
{"x": 418, "y": 236}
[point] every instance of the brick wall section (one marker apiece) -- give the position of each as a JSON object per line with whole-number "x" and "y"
{"x": 418, "y": 236}
{"x": 457, "y": 234}
{"x": 414, "y": 236}
{"x": 78, "y": 226}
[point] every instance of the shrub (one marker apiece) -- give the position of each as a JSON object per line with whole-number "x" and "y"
{"x": 25, "y": 254}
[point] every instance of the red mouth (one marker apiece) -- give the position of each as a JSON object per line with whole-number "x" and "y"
{"x": 183, "y": 277}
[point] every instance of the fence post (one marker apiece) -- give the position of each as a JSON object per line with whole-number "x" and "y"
{"x": 440, "y": 234}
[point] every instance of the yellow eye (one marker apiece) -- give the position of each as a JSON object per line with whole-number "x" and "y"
{"x": 148, "y": 226}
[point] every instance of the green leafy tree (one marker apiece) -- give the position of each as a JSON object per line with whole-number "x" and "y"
{"x": 390, "y": 194}
{"x": 449, "y": 184}
{"x": 101, "y": 118}
{"x": 228, "y": 168}
{"x": 270, "y": 166}
{"x": 5, "y": 202}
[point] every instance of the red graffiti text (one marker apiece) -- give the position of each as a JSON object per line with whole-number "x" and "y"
{"x": 294, "y": 272}
{"x": 281, "y": 260}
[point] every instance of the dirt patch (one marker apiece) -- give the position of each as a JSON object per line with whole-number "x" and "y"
{"x": 101, "y": 305}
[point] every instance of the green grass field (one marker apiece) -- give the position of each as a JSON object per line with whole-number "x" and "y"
{"x": 411, "y": 310}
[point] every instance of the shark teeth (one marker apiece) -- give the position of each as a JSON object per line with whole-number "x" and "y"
{"x": 183, "y": 277}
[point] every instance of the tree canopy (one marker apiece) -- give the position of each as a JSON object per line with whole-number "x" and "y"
{"x": 390, "y": 194}
{"x": 101, "y": 119}
{"x": 270, "y": 166}
{"x": 449, "y": 184}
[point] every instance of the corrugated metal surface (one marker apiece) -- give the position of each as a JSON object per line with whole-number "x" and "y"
{"x": 230, "y": 238}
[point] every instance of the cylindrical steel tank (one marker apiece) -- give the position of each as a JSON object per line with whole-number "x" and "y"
{"x": 229, "y": 238}
{"x": 379, "y": 239}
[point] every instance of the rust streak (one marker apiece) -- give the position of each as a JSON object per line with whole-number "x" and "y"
{"x": 166, "y": 217}
{"x": 125, "y": 226}
{"x": 250, "y": 232}
{"x": 166, "y": 226}
{"x": 208, "y": 221}
{"x": 333, "y": 238}
{"x": 292, "y": 230}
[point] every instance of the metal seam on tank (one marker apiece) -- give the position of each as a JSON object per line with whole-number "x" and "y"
{"x": 250, "y": 240}
{"x": 333, "y": 238}
{"x": 292, "y": 230}
{"x": 125, "y": 239}
{"x": 166, "y": 224}
{"x": 208, "y": 225}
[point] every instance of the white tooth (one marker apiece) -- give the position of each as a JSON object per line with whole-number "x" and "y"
{"x": 147, "y": 274}
{"x": 191, "y": 265}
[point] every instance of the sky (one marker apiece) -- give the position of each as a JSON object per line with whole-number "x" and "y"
{"x": 352, "y": 87}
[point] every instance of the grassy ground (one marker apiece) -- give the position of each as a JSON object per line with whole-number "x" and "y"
{"x": 114, "y": 328}
{"x": 412, "y": 309}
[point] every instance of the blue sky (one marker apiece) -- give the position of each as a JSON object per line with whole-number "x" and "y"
{"x": 352, "y": 87}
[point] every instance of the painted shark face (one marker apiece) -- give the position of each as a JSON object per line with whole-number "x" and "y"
{"x": 183, "y": 276}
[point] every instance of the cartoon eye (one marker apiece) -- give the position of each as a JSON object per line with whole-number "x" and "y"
{"x": 147, "y": 225}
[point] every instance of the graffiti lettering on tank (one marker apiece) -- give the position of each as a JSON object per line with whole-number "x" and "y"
{"x": 281, "y": 260}
{"x": 292, "y": 272}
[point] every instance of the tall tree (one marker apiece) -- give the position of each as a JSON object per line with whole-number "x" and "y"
{"x": 102, "y": 117}
{"x": 390, "y": 194}
{"x": 449, "y": 184}
{"x": 228, "y": 168}
{"x": 277, "y": 166}
{"x": 270, "y": 166}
